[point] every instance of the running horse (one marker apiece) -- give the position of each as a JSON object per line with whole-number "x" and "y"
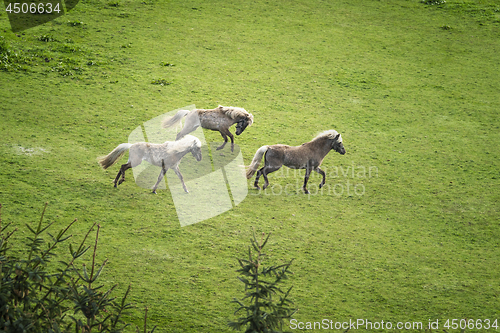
{"x": 307, "y": 156}
{"x": 218, "y": 119}
{"x": 166, "y": 155}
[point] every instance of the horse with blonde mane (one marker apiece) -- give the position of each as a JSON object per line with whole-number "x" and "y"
{"x": 167, "y": 155}
{"x": 307, "y": 156}
{"x": 218, "y": 119}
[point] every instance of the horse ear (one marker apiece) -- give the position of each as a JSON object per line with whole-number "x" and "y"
{"x": 337, "y": 137}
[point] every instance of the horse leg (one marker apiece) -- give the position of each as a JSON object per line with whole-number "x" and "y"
{"x": 123, "y": 168}
{"x": 225, "y": 140}
{"x": 321, "y": 172}
{"x": 185, "y": 130}
{"x": 133, "y": 161}
{"x": 256, "y": 183}
{"x": 160, "y": 176}
{"x": 117, "y": 177}
{"x": 178, "y": 173}
{"x": 267, "y": 170}
{"x": 122, "y": 179}
{"x": 232, "y": 139}
{"x": 306, "y": 178}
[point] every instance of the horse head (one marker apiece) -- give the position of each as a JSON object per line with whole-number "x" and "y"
{"x": 244, "y": 123}
{"x": 337, "y": 145}
{"x": 196, "y": 149}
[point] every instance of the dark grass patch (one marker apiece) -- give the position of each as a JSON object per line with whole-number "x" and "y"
{"x": 46, "y": 38}
{"x": 161, "y": 82}
{"x": 433, "y": 2}
{"x": 482, "y": 11}
{"x": 75, "y": 23}
{"x": 12, "y": 59}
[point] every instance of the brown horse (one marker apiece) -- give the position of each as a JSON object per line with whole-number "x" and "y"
{"x": 167, "y": 155}
{"x": 307, "y": 156}
{"x": 218, "y": 119}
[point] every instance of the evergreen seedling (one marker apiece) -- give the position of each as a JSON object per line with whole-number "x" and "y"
{"x": 265, "y": 305}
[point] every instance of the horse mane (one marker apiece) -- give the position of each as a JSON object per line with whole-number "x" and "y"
{"x": 330, "y": 134}
{"x": 236, "y": 113}
{"x": 183, "y": 144}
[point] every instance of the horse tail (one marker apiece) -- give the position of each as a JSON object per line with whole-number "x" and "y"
{"x": 171, "y": 121}
{"x": 256, "y": 161}
{"x": 114, "y": 156}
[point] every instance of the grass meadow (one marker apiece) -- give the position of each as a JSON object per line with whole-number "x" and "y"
{"x": 407, "y": 228}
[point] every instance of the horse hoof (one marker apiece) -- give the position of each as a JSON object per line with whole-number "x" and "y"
{"x": 306, "y": 192}
{"x": 154, "y": 192}
{"x": 321, "y": 185}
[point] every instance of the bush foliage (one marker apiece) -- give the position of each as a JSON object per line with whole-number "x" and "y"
{"x": 40, "y": 294}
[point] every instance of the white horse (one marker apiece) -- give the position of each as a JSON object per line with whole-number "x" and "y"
{"x": 218, "y": 119}
{"x": 167, "y": 155}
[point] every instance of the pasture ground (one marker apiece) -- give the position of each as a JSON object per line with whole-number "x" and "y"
{"x": 408, "y": 229}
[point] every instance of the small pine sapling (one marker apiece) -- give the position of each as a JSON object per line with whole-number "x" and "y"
{"x": 265, "y": 305}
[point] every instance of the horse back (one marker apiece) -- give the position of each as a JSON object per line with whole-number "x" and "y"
{"x": 214, "y": 119}
{"x": 296, "y": 157}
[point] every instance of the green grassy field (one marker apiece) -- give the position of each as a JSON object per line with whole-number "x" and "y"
{"x": 408, "y": 229}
